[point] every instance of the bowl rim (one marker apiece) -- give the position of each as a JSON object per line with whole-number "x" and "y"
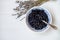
{"x": 48, "y": 14}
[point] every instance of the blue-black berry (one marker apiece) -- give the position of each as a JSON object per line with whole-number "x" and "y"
{"x": 35, "y": 17}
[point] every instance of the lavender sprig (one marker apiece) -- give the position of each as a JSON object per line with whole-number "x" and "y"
{"x": 26, "y": 5}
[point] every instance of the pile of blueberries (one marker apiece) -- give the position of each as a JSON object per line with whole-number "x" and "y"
{"x": 35, "y": 19}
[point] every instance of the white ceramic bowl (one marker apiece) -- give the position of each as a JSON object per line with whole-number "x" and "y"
{"x": 48, "y": 14}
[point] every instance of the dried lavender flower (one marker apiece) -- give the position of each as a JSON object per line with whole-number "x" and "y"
{"x": 26, "y": 5}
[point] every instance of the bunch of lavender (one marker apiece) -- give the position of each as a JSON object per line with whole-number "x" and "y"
{"x": 26, "y": 5}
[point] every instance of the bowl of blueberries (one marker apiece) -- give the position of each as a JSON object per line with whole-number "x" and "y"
{"x": 34, "y": 17}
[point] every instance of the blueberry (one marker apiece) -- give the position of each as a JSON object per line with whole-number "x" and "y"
{"x": 35, "y": 17}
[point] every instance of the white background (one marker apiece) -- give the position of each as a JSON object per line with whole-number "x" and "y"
{"x": 13, "y": 29}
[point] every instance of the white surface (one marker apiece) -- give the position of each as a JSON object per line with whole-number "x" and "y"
{"x": 13, "y": 29}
